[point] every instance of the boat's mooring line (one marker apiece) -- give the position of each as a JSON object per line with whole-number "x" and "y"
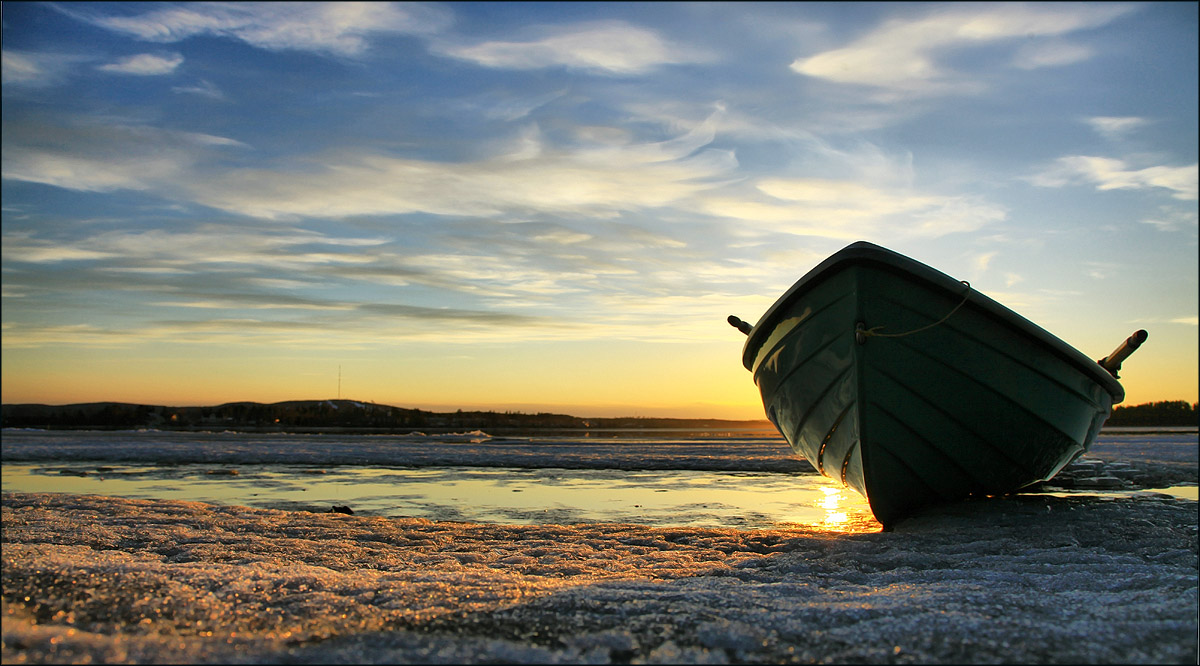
{"x": 861, "y": 333}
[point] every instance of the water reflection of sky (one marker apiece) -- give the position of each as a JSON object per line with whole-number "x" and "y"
{"x": 479, "y": 494}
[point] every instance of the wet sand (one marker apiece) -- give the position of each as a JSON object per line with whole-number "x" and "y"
{"x": 1042, "y": 579}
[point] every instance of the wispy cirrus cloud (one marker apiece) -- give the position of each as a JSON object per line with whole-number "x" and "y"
{"x": 849, "y": 210}
{"x": 868, "y": 192}
{"x": 1171, "y": 219}
{"x": 33, "y": 69}
{"x": 144, "y": 64}
{"x": 906, "y": 56}
{"x": 267, "y": 288}
{"x": 592, "y": 179}
{"x": 22, "y": 249}
{"x": 1113, "y": 127}
{"x": 159, "y": 249}
{"x": 1052, "y": 54}
{"x": 1108, "y": 173}
{"x": 1187, "y": 320}
{"x": 592, "y": 174}
{"x": 336, "y": 28}
{"x": 982, "y": 260}
{"x": 510, "y": 107}
{"x": 204, "y": 88}
{"x": 99, "y": 157}
{"x": 371, "y": 328}
{"x": 608, "y": 47}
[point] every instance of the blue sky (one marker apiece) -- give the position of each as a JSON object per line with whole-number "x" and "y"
{"x": 553, "y": 206}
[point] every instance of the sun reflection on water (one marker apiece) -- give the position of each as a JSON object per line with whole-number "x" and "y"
{"x": 838, "y": 510}
{"x": 833, "y": 517}
{"x": 845, "y": 511}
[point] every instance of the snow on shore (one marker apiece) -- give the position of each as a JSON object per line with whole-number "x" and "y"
{"x": 414, "y": 450}
{"x": 1026, "y": 579}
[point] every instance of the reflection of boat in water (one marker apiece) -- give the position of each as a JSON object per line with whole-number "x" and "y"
{"x": 914, "y": 389}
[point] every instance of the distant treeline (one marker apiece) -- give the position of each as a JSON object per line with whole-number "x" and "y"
{"x": 336, "y": 414}
{"x": 318, "y": 414}
{"x": 1165, "y": 413}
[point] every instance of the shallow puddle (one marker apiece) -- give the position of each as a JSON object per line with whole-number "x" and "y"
{"x": 497, "y": 495}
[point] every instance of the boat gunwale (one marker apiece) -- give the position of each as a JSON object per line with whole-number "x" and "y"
{"x": 866, "y": 253}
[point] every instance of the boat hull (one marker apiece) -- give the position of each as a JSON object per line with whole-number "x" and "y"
{"x": 912, "y": 389}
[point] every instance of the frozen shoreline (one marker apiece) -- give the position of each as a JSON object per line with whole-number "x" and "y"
{"x": 1166, "y": 457}
{"x": 1025, "y": 579}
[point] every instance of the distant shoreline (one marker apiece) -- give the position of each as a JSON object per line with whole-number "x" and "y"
{"x": 355, "y": 417}
{"x": 751, "y": 429}
{"x": 348, "y": 416}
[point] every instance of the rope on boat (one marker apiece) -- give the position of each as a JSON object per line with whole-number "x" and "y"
{"x": 863, "y": 333}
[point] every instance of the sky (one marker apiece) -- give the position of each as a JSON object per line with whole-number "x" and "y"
{"x": 554, "y": 206}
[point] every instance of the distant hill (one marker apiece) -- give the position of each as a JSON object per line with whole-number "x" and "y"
{"x": 319, "y": 415}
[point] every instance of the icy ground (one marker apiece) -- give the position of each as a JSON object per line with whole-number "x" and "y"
{"x": 1029, "y": 579}
{"x": 1172, "y": 457}
{"x": 477, "y": 449}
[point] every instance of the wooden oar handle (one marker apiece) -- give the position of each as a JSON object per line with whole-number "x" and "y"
{"x": 1112, "y": 362}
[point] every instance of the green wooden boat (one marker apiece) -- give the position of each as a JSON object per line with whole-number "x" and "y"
{"x": 914, "y": 389}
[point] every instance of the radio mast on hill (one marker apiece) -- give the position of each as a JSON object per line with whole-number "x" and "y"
{"x": 339, "y": 382}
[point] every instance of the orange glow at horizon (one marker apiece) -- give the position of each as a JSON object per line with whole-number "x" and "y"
{"x": 683, "y": 386}
{"x": 692, "y": 385}
{"x": 580, "y": 378}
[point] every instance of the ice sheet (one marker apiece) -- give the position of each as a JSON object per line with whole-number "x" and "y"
{"x": 1034, "y": 579}
{"x": 719, "y": 451}
{"x": 1067, "y": 576}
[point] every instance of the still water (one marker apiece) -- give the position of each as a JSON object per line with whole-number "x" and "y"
{"x": 497, "y": 495}
{"x": 741, "y": 479}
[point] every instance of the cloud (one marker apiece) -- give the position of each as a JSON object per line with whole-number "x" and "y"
{"x": 1113, "y": 174}
{"x": 102, "y": 158}
{"x": 512, "y": 108}
{"x": 43, "y": 252}
{"x": 25, "y": 68}
{"x": 1054, "y": 54}
{"x": 204, "y": 89}
{"x": 338, "y": 28}
{"x": 89, "y": 174}
{"x": 849, "y": 210}
{"x": 1113, "y": 127}
{"x": 144, "y": 64}
{"x": 1101, "y": 270}
{"x": 1169, "y": 219}
{"x": 248, "y": 302}
{"x": 981, "y": 261}
{"x": 589, "y": 179}
{"x": 902, "y": 56}
{"x": 608, "y": 47}
{"x": 237, "y": 288}
{"x": 275, "y": 284}
{"x": 174, "y": 252}
{"x": 21, "y": 68}
{"x": 457, "y": 280}
{"x": 371, "y": 328}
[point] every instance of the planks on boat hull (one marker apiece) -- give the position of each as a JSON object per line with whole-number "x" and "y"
{"x": 914, "y": 389}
